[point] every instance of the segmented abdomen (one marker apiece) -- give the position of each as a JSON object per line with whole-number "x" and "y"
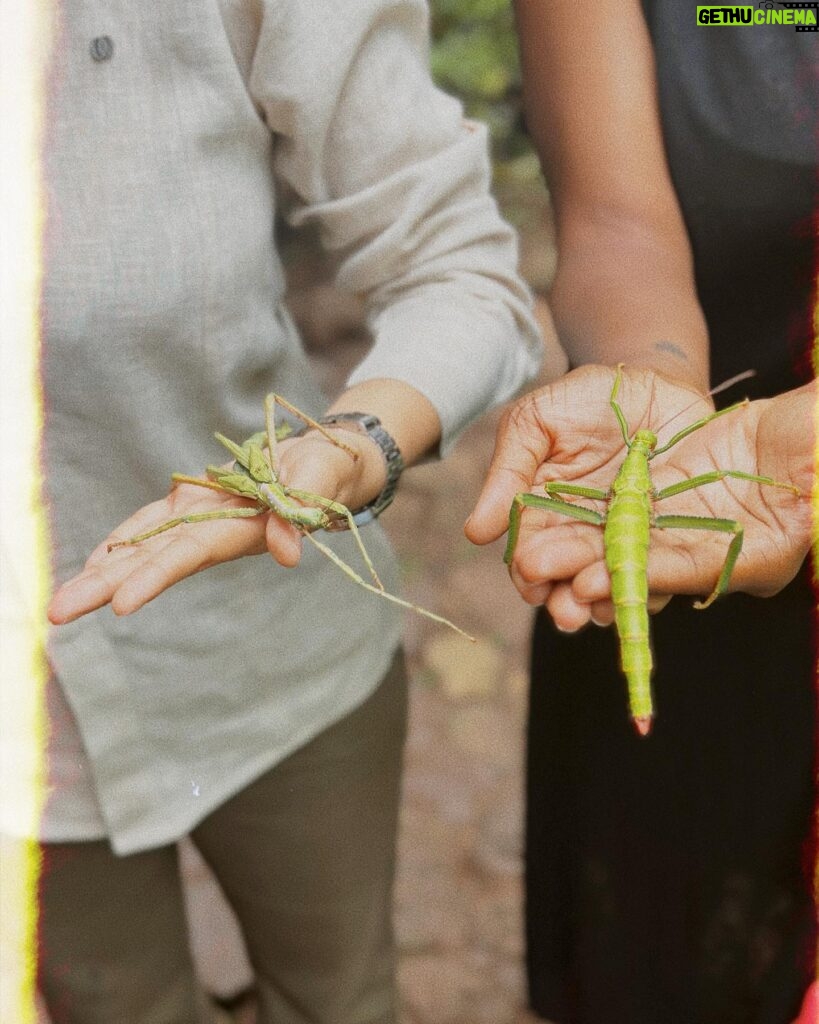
{"x": 626, "y": 539}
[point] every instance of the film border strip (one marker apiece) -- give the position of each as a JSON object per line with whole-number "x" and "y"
{"x": 794, "y": 6}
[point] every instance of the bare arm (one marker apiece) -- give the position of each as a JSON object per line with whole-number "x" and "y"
{"x": 624, "y": 289}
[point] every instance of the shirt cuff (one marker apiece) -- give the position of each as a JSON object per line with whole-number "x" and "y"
{"x": 463, "y": 358}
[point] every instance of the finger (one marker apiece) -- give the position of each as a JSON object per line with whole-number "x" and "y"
{"x": 283, "y": 542}
{"x": 523, "y": 443}
{"x": 686, "y": 568}
{"x": 552, "y": 555}
{"x": 656, "y": 602}
{"x": 592, "y": 584}
{"x": 95, "y": 585}
{"x": 671, "y": 570}
{"x": 129, "y": 577}
{"x": 568, "y": 614}
{"x": 602, "y": 613}
{"x": 311, "y": 465}
{"x": 557, "y": 552}
{"x": 535, "y": 594}
{"x": 181, "y": 501}
{"x": 80, "y": 595}
{"x": 192, "y": 548}
{"x": 103, "y": 574}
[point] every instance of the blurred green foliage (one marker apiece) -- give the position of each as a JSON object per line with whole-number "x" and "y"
{"x": 475, "y": 56}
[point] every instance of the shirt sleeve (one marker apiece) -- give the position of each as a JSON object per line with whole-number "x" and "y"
{"x": 367, "y": 147}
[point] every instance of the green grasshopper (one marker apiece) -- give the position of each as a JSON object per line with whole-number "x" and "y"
{"x": 627, "y": 522}
{"x": 255, "y": 476}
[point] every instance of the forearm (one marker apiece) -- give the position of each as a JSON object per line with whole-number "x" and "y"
{"x": 407, "y": 416}
{"x": 624, "y": 292}
{"x": 624, "y": 289}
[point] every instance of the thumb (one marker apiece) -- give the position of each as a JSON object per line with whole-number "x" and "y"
{"x": 283, "y": 541}
{"x": 522, "y": 445}
{"x": 310, "y": 467}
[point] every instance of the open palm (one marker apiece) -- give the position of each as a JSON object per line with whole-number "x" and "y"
{"x": 128, "y": 577}
{"x": 567, "y": 431}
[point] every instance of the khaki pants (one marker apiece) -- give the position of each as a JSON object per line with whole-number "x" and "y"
{"x": 306, "y": 858}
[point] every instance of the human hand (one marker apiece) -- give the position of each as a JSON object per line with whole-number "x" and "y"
{"x": 567, "y": 431}
{"x": 127, "y": 577}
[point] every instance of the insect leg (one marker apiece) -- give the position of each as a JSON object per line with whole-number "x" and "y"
{"x": 270, "y": 427}
{"x": 342, "y": 510}
{"x": 618, "y": 412}
{"x": 696, "y": 426}
{"x": 720, "y": 474}
{"x": 556, "y": 487}
{"x": 270, "y": 403}
{"x": 565, "y": 508}
{"x": 719, "y": 525}
{"x": 183, "y": 478}
{"x": 196, "y": 517}
{"x": 349, "y": 571}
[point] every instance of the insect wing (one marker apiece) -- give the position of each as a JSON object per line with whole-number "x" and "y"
{"x": 257, "y": 464}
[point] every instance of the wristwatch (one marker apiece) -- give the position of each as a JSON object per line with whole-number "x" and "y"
{"x": 365, "y": 423}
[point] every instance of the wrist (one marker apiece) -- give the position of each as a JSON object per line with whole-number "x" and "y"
{"x": 369, "y": 489}
{"x": 647, "y": 318}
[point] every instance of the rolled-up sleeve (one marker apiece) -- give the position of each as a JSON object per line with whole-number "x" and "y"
{"x": 398, "y": 181}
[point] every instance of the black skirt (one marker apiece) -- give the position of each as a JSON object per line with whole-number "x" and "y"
{"x": 668, "y": 878}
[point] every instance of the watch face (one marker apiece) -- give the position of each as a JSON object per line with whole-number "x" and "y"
{"x": 365, "y": 420}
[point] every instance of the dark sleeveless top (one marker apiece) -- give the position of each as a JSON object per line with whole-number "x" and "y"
{"x": 669, "y": 879}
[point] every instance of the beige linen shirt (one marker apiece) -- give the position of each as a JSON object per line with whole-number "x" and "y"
{"x": 175, "y": 130}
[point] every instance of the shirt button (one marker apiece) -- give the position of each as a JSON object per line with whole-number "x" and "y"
{"x": 102, "y": 48}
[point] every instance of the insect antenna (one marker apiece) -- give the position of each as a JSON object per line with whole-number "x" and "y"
{"x": 651, "y": 410}
{"x": 731, "y": 381}
{"x": 713, "y": 391}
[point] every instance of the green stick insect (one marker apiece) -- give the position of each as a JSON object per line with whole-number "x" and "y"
{"x": 255, "y": 476}
{"x": 627, "y": 522}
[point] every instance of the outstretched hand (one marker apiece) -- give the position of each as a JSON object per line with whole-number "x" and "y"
{"x": 128, "y": 577}
{"x": 567, "y": 431}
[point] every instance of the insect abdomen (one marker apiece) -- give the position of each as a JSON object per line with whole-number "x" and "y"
{"x": 626, "y": 544}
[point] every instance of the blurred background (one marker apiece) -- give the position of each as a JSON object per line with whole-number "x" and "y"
{"x": 459, "y": 892}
